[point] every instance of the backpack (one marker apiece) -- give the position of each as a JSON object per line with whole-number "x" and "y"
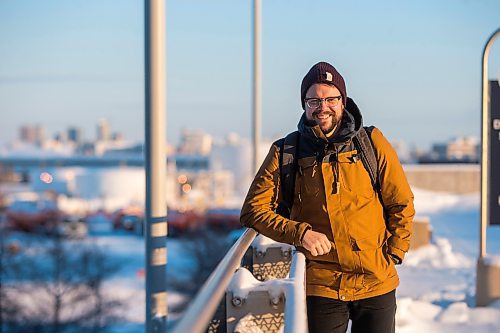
{"x": 288, "y": 165}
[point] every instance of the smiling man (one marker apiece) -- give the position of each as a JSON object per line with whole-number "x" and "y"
{"x": 337, "y": 191}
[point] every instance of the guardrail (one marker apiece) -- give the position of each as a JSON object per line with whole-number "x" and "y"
{"x": 295, "y": 304}
{"x": 200, "y": 313}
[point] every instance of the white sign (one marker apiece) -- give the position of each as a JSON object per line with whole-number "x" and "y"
{"x": 496, "y": 124}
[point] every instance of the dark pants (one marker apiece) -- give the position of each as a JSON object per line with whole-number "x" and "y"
{"x": 369, "y": 315}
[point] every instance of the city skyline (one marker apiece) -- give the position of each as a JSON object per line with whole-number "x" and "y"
{"x": 195, "y": 142}
{"x": 413, "y": 68}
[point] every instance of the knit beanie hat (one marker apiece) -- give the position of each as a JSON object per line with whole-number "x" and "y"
{"x": 322, "y": 72}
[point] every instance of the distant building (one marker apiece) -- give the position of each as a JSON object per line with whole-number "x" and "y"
{"x": 467, "y": 148}
{"x": 27, "y": 134}
{"x": 403, "y": 152}
{"x": 100, "y": 148}
{"x": 132, "y": 149}
{"x": 235, "y": 154}
{"x": 32, "y": 134}
{"x": 103, "y": 130}
{"x": 40, "y": 135}
{"x": 458, "y": 150}
{"x": 195, "y": 142}
{"x": 75, "y": 135}
{"x": 191, "y": 163}
{"x": 61, "y": 137}
{"x": 118, "y": 136}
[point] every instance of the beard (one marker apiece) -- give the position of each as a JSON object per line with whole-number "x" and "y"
{"x": 325, "y": 128}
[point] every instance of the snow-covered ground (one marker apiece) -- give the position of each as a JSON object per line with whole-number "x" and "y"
{"x": 437, "y": 281}
{"x": 437, "y": 291}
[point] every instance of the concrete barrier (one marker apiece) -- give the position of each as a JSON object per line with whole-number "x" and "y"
{"x": 487, "y": 281}
{"x": 453, "y": 178}
{"x": 422, "y": 232}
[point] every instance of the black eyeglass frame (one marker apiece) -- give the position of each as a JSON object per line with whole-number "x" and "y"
{"x": 334, "y": 99}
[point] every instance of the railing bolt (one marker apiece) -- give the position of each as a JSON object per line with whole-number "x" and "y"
{"x": 275, "y": 300}
{"x": 237, "y": 301}
{"x": 259, "y": 254}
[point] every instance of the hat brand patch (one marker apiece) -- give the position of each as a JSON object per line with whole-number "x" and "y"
{"x": 329, "y": 76}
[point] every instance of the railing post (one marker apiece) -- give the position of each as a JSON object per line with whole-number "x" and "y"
{"x": 486, "y": 274}
{"x": 485, "y": 137}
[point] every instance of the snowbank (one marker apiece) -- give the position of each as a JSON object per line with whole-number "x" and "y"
{"x": 430, "y": 202}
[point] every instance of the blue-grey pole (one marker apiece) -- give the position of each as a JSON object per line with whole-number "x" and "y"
{"x": 256, "y": 92}
{"x": 155, "y": 227}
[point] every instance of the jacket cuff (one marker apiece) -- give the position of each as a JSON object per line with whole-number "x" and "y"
{"x": 399, "y": 243}
{"x": 301, "y": 231}
{"x": 396, "y": 252}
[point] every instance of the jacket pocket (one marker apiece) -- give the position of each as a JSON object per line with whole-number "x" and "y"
{"x": 374, "y": 262}
{"x": 354, "y": 175}
{"x": 309, "y": 178}
{"x": 322, "y": 276}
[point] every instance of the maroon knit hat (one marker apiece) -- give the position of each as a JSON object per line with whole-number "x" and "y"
{"x": 322, "y": 72}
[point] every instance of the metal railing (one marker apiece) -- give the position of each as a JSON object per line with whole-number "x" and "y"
{"x": 199, "y": 314}
{"x": 201, "y": 311}
{"x": 295, "y": 304}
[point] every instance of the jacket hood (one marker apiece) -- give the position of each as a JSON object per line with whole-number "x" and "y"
{"x": 350, "y": 124}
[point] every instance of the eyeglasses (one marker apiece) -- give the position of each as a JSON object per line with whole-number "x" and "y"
{"x": 314, "y": 103}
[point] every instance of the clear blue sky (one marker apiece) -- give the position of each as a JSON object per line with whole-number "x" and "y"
{"x": 413, "y": 67}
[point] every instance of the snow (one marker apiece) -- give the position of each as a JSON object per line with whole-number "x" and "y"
{"x": 244, "y": 282}
{"x": 261, "y": 243}
{"x": 455, "y": 313}
{"x": 492, "y": 260}
{"x": 438, "y": 255}
{"x": 437, "y": 287}
{"x": 436, "y": 292}
{"x": 427, "y": 202}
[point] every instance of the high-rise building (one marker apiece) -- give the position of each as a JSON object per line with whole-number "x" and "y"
{"x": 103, "y": 130}
{"x": 32, "y": 134}
{"x": 27, "y": 134}
{"x": 75, "y": 134}
{"x": 40, "y": 133}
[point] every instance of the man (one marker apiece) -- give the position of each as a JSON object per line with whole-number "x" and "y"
{"x": 352, "y": 232}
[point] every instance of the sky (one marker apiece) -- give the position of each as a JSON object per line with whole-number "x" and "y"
{"x": 413, "y": 67}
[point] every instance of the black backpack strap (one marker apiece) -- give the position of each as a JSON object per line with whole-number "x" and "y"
{"x": 364, "y": 145}
{"x": 288, "y": 166}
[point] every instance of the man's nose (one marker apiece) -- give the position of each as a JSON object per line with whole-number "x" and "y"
{"x": 322, "y": 105}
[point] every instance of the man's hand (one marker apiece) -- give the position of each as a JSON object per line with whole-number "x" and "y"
{"x": 316, "y": 243}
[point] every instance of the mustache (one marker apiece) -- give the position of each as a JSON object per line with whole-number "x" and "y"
{"x": 328, "y": 113}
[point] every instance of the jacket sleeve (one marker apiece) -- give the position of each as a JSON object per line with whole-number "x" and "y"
{"x": 397, "y": 196}
{"x": 258, "y": 211}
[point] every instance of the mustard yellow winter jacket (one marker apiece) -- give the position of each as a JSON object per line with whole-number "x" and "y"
{"x": 363, "y": 226}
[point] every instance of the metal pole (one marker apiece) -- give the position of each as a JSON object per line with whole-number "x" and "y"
{"x": 257, "y": 98}
{"x": 485, "y": 146}
{"x": 155, "y": 231}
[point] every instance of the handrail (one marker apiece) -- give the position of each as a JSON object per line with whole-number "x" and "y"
{"x": 295, "y": 304}
{"x": 198, "y": 315}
